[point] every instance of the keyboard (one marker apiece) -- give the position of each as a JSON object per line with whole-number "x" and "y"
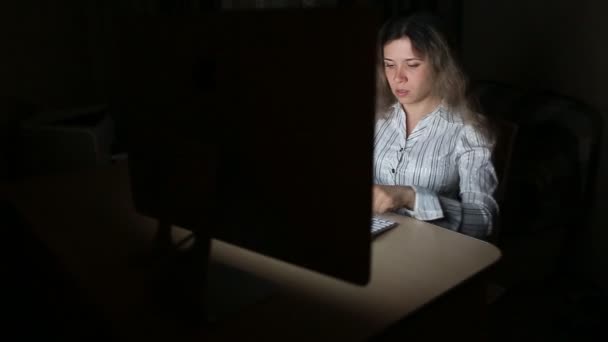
{"x": 380, "y": 225}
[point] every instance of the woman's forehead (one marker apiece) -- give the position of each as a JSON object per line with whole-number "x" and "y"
{"x": 401, "y": 48}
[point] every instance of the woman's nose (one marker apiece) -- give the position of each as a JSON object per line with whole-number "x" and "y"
{"x": 400, "y": 75}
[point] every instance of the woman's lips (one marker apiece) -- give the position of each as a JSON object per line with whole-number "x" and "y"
{"x": 401, "y": 93}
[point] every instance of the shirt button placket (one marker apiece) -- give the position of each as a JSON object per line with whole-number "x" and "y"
{"x": 404, "y": 157}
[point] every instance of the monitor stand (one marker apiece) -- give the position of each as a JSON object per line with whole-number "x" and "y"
{"x": 182, "y": 287}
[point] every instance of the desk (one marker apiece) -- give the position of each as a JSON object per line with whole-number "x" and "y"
{"x": 87, "y": 219}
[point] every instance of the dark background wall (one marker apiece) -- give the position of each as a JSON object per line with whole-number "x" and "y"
{"x": 45, "y": 58}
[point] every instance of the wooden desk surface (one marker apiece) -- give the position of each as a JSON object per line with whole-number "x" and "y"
{"x": 412, "y": 265}
{"x": 87, "y": 219}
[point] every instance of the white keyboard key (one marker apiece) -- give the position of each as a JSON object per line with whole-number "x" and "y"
{"x": 379, "y": 225}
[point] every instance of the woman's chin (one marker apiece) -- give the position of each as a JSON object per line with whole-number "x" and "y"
{"x": 404, "y": 102}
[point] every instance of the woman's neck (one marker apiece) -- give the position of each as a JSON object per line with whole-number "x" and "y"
{"x": 416, "y": 111}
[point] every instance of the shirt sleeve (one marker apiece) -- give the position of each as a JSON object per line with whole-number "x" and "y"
{"x": 474, "y": 211}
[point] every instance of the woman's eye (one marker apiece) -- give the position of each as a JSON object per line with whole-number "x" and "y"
{"x": 390, "y": 66}
{"x": 413, "y": 66}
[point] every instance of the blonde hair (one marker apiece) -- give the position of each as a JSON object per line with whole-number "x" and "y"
{"x": 449, "y": 82}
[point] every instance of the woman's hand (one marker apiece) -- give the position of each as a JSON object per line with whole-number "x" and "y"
{"x": 391, "y": 197}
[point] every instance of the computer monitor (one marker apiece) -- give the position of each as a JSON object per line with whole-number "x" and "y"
{"x": 256, "y": 128}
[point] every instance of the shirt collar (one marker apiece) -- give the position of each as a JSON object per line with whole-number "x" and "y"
{"x": 441, "y": 110}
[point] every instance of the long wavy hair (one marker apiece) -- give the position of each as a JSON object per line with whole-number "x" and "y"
{"x": 449, "y": 83}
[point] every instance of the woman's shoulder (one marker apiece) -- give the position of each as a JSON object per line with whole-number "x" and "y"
{"x": 469, "y": 127}
{"x": 471, "y": 136}
{"x": 451, "y": 116}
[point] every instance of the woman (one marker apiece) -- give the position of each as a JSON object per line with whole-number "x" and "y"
{"x": 432, "y": 153}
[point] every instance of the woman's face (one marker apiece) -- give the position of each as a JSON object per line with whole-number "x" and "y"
{"x": 408, "y": 73}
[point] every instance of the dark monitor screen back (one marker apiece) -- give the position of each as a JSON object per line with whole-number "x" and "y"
{"x": 273, "y": 151}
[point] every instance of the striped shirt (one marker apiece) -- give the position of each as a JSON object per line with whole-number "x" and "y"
{"x": 446, "y": 162}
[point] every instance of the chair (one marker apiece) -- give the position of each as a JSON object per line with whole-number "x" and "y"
{"x": 66, "y": 140}
{"x": 575, "y": 144}
{"x": 547, "y": 189}
{"x": 506, "y": 133}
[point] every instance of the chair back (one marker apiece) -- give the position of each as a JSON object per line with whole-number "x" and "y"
{"x": 506, "y": 133}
